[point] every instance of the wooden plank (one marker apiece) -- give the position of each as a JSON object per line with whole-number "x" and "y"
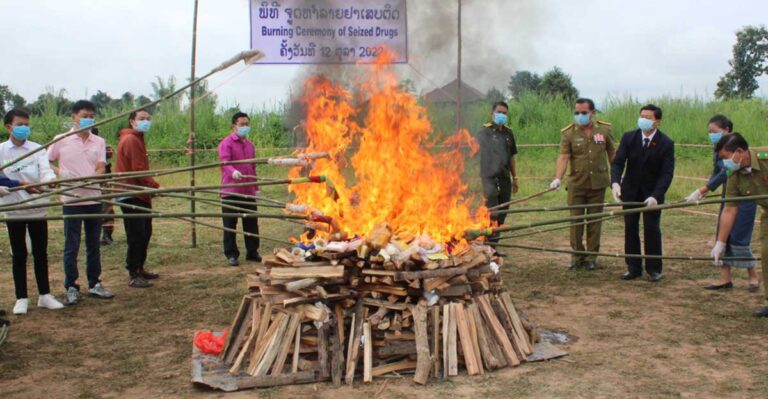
{"x": 285, "y": 346}
{"x": 339, "y": 311}
{"x": 422, "y": 274}
{"x": 423, "y": 359}
{"x": 303, "y": 377}
{"x": 296, "y": 350}
{"x": 497, "y": 331}
{"x": 487, "y": 345}
{"x": 475, "y": 340}
{"x": 322, "y": 351}
{"x": 266, "y": 315}
{"x": 255, "y": 325}
{"x": 272, "y": 349}
{"x": 367, "y": 353}
{"x": 263, "y": 345}
{"x": 396, "y": 348}
{"x": 384, "y": 304}
{"x": 297, "y": 285}
{"x": 522, "y": 333}
{"x": 436, "y": 358}
{"x": 446, "y": 321}
{"x": 235, "y": 332}
{"x": 406, "y": 364}
{"x": 354, "y": 343}
{"x": 465, "y": 339}
{"x": 506, "y": 322}
{"x": 403, "y": 336}
{"x": 387, "y": 289}
{"x": 337, "y": 355}
{"x": 453, "y": 356}
{"x": 307, "y": 272}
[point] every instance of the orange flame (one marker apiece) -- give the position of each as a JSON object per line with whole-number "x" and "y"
{"x": 401, "y": 176}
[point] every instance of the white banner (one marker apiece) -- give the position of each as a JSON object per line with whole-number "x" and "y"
{"x": 328, "y": 31}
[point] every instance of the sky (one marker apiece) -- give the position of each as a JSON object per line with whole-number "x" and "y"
{"x": 643, "y": 49}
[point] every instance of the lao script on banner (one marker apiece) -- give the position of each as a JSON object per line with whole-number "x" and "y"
{"x": 328, "y": 31}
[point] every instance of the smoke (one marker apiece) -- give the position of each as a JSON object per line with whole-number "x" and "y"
{"x": 495, "y": 37}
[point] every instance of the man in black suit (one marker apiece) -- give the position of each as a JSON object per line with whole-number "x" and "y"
{"x": 649, "y": 157}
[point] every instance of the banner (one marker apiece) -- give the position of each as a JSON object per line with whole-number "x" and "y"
{"x": 328, "y": 31}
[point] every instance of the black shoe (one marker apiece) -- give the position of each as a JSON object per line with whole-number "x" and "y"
{"x": 146, "y": 275}
{"x": 4, "y": 322}
{"x": 588, "y": 265}
{"x": 761, "y": 312}
{"x": 233, "y": 261}
{"x": 719, "y": 286}
{"x": 106, "y": 239}
{"x": 573, "y": 265}
{"x": 630, "y": 276}
{"x": 255, "y": 258}
{"x": 2, "y": 313}
{"x": 654, "y": 277}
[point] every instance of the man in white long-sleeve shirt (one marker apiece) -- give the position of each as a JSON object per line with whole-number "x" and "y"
{"x": 34, "y": 169}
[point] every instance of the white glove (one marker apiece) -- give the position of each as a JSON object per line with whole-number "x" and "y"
{"x": 555, "y": 185}
{"x": 650, "y": 201}
{"x": 237, "y": 175}
{"x": 717, "y": 251}
{"x": 4, "y": 191}
{"x": 695, "y": 196}
{"x": 616, "y": 191}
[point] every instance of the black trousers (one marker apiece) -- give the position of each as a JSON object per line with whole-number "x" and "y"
{"x": 497, "y": 190}
{"x": 250, "y": 225}
{"x": 651, "y": 239}
{"x": 138, "y": 232}
{"x": 38, "y": 234}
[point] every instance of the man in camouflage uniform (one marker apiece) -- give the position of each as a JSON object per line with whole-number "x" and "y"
{"x": 748, "y": 176}
{"x": 588, "y": 145}
{"x": 497, "y": 162}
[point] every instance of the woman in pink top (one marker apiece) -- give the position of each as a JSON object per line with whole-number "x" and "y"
{"x": 235, "y": 147}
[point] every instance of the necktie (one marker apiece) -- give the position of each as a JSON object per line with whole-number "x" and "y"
{"x": 646, "y": 141}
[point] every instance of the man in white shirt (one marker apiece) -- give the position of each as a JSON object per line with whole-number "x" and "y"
{"x": 34, "y": 169}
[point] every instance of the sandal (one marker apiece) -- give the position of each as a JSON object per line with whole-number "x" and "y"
{"x": 753, "y": 287}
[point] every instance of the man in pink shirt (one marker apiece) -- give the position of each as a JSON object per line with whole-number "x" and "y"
{"x": 236, "y": 147}
{"x": 82, "y": 154}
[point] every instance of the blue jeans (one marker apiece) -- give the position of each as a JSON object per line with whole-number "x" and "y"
{"x": 72, "y": 231}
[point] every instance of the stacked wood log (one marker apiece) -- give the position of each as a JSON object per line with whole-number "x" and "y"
{"x": 346, "y": 309}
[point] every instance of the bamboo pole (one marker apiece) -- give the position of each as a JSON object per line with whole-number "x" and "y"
{"x": 527, "y": 233}
{"x": 473, "y": 234}
{"x": 248, "y": 56}
{"x": 620, "y": 255}
{"x": 520, "y": 200}
{"x": 567, "y": 208}
{"x": 192, "y": 123}
{"x": 154, "y": 215}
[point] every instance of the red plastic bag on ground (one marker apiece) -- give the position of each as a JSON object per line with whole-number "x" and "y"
{"x": 208, "y": 343}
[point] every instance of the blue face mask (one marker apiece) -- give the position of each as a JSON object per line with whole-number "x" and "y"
{"x": 714, "y": 137}
{"x": 582, "y": 120}
{"x": 730, "y": 165}
{"x": 143, "y": 126}
{"x": 644, "y": 124}
{"x": 243, "y": 131}
{"x": 21, "y": 132}
{"x": 85, "y": 122}
{"x": 500, "y": 119}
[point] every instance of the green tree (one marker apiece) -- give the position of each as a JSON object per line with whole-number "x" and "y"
{"x": 494, "y": 95}
{"x": 749, "y": 62}
{"x": 558, "y": 84}
{"x": 10, "y": 100}
{"x": 523, "y": 82}
{"x": 161, "y": 88}
{"x": 102, "y": 100}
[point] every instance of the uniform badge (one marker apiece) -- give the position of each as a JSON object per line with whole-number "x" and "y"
{"x": 599, "y": 139}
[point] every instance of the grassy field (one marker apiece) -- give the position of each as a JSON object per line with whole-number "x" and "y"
{"x": 632, "y": 339}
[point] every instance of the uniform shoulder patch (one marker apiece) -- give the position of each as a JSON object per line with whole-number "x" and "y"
{"x": 604, "y": 123}
{"x": 488, "y": 125}
{"x": 566, "y": 128}
{"x": 762, "y": 155}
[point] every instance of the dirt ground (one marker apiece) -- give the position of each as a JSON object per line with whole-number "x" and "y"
{"x": 632, "y": 339}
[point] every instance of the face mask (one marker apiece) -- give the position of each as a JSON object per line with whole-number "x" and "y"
{"x": 85, "y": 122}
{"x": 243, "y": 131}
{"x": 582, "y": 119}
{"x": 714, "y": 137}
{"x": 645, "y": 125}
{"x": 500, "y": 119}
{"x": 731, "y": 165}
{"x": 21, "y": 132}
{"x": 143, "y": 126}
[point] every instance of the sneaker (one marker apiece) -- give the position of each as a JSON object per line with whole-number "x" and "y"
{"x": 49, "y": 301}
{"x": 147, "y": 275}
{"x": 73, "y": 295}
{"x": 139, "y": 282}
{"x": 233, "y": 261}
{"x": 99, "y": 291}
{"x": 21, "y": 306}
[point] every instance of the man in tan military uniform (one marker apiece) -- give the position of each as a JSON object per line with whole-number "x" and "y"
{"x": 588, "y": 145}
{"x": 748, "y": 176}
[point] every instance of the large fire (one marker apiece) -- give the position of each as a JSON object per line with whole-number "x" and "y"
{"x": 404, "y": 177}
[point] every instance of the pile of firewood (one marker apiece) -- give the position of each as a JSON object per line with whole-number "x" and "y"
{"x": 313, "y": 312}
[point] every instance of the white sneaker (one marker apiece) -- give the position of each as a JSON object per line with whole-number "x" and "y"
{"x": 49, "y": 301}
{"x": 21, "y": 306}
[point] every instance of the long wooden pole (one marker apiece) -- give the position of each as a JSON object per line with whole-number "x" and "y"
{"x": 618, "y": 254}
{"x": 192, "y": 124}
{"x": 458, "y": 70}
